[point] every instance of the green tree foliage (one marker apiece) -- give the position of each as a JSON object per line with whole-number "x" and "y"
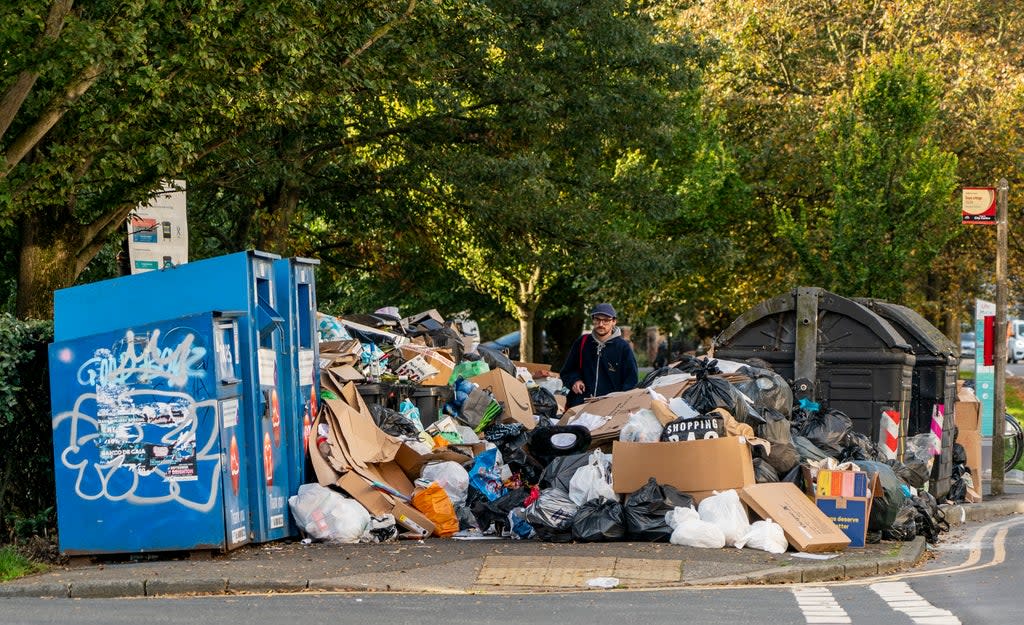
{"x": 890, "y": 187}
{"x": 780, "y": 67}
{"x": 105, "y": 100}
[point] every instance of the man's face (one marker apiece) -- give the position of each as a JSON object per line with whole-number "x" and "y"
{"x": 603, "y": 326}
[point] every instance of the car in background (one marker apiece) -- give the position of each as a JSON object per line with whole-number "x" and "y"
{"x": 967, "y": 344}
{"x": 1015, "y": 341}
{"x": 509, "y": 344}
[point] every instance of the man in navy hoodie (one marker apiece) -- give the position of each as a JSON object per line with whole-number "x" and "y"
{"x": 601, "y": 362}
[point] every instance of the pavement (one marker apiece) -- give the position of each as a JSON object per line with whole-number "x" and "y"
{"x": 475, "y": 566}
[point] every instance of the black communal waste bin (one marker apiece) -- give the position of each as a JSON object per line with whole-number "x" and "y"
{"x": 933, "y": 382}
{"x": 428, "y": 399}
{"x": 838, "y": 353}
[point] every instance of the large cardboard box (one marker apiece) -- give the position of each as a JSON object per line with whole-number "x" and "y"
{"x": 806, "y": 527}
{"x": 967, "y": 409}
{"x": 512, "y": 394}
{"x": 694, "y": 467}
{"x": 845, "y": 497}
{"x": 971, "y": 441}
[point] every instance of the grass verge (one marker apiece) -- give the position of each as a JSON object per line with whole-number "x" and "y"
{"x": 14, "y": 565}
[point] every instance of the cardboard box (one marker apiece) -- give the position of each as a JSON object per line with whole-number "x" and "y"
{"x": 417, "y": 369}
{"x": 348, "y": 351}
{"x": 967, "y": 410}
{"x": 537, "y": 370}
{"x": 429, "y": 319}
{"x": 512, "y": 394}
{"x": 436, "y": 359}
{"x": 694, "y": 467}
{"x": 347, "y": 373}
{"x": 971, "y": 441}
{"x": 806, "y": 527}
{"x": 845, "y": 497}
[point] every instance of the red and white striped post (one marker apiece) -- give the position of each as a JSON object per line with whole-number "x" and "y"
{"x": 890, "y": 433}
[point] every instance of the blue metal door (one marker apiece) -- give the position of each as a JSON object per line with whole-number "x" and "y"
{"x": 296, "y": 287}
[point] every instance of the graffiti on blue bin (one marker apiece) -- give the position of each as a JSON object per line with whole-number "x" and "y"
{"x": 144, "y": 428}
{"x": 142, "y": 359}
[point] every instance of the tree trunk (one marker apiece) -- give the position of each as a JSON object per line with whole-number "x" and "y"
{"x": 273, "y": 227}
{"x": 526, "y": 315}
{"x": 45, "y": 264}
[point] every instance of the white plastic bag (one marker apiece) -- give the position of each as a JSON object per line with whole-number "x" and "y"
{"x": 326, "y": 515}
{"x": 591, "y": 481}
{"x": 689, "y": 530}
{"x": 451, "y": 476}
{"x": 642, "y": 427}
{"x": 765, "y": 535}
{"x": 727, "y": 512}
{"x": 679, "y": 514}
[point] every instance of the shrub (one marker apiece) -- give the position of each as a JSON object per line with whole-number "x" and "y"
{"x": 27, "y": 491}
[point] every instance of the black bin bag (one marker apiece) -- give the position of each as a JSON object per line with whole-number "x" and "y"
{"x": 885, "y": 508}
{"x": 645, "y": 510}
{"x": 599, "y": 520}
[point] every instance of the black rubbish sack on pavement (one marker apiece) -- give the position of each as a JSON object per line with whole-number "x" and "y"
{"x": 599, "y": 520}
{"x": 645, "y": 509}
{"x": 776, "y": 429}
{"x": 931, "y": 520}
{"x": 884, "y": 508}
{"x": 827, "y": 429}
{"x": 551, "y": 515}
{"x": 495, "y": 512}
{"x": 957, "y": 484}
{"x": 904, "y": 526}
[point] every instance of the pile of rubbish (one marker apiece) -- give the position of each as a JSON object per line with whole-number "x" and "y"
{"x": 423, "y": 432}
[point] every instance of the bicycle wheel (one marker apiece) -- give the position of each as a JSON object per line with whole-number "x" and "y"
{"x": 1013, "y": 443}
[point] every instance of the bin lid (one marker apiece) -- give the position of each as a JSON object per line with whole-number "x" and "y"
{"x": 923, "y": 336}
{"x": 770, "y": 326}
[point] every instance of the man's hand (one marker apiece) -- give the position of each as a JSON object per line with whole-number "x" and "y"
{"x": 578, "y": 387}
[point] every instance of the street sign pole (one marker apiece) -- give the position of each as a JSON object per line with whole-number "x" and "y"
{"x": 999, "y": 409}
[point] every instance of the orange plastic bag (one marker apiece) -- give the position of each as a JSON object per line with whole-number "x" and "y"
{"x": 433, "y": 502}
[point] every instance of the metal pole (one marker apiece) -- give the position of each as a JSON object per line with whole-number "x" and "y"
{"x": 999, "y": 409}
